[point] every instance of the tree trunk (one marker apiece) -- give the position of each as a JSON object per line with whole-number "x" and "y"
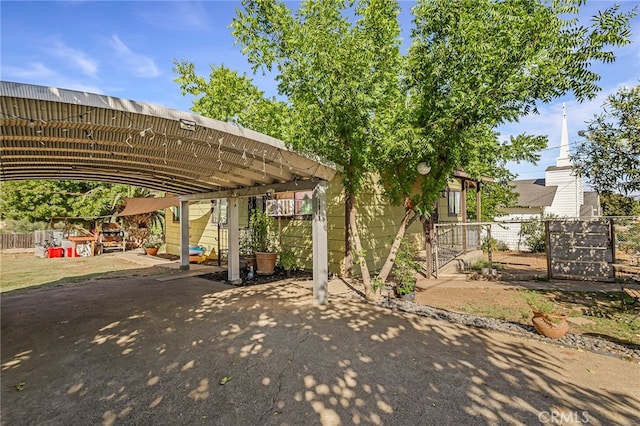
{"x": 369, "y": 292}
{"x": 388, "y": 264}
{"x": 428, "y": 246}
{"x": 349, "y": 206}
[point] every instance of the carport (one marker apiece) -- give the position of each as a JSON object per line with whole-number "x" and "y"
{"x": 57, "y": 134}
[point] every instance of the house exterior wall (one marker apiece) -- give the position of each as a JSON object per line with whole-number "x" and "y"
{"x": 443, "y": 204}
{"x": 377, "y": 225}
{"x": 202, "y": 232}
{"x": 569, "y": 195}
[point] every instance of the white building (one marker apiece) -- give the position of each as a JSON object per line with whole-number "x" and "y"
{"x": 560, "y": 193}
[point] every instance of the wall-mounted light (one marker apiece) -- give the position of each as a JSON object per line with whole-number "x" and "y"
{"x": 444, "y": 193}
{"x": 423, "y": 168}
{"x": 187, "y": 125}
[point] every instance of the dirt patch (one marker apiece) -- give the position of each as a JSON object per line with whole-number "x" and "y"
{"x": 593, "y": 313}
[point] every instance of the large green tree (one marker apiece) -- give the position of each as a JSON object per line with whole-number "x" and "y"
{"x": 339, "y": 75}
{"x": 476, "y": 64}
{"x": 609, "y": 155}
{"x": 619, "y": 205}
{"x": 233, "y": 98}
{"x": 42, "y": 200}
{"x": 472, "y": 65}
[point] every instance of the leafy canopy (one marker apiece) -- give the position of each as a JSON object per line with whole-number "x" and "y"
{"x": 352, "y": 97}
{"x": 476, "y": 64}
{"x": 337, "y": 65}
{"x": 609, "y": 155}
{"x": 40, "y": 201}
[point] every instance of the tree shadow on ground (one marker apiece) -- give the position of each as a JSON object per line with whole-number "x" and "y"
{"x": 194, "y": 351}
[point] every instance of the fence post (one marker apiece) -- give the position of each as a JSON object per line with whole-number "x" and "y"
{"x": 612, "y": 237}
{"x": 434, "y": 242}
{"x": 547, "y": 241}
{"x": 489, "y": 248}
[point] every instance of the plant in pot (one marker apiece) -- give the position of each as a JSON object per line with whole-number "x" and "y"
{"x": 152, "y": 246}
{"x": 264, "y": 241}
{"x": 288, "y": 261}
{"x": 546, "y": 319}
{"x": 404, "y": 272}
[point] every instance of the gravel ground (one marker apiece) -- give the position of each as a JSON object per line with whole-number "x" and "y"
{"x": 588, "y": 343}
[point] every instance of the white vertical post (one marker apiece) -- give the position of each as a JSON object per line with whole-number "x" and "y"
{"x": 233, "y": 256}
{"x": 320, "y": 246}
{"x": 184, "y": 235}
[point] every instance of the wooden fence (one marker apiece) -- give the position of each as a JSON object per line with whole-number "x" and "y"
{"x": 580, "y": 249}
{"x": 17, "y": 241}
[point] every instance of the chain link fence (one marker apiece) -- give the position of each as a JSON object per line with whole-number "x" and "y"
{"x": 519, "y": 248}
{"x": 516, "y": 247}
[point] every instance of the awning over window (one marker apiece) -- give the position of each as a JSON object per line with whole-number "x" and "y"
{"x": 141, "y": 205}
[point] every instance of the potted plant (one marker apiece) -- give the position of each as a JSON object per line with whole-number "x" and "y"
{"x": 546, "y": 319}
{"x": 151, "y": 248}
{"x": 288, "y": 261}
{"x": 246, "y": 250}
{"x": 152, "y": 245}
{"x": 262, "y": 229}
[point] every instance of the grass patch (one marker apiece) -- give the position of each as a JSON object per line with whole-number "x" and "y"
{"x": 599, "y": 314}
{"x": 23, "y": 270}
{"x": 484, "y": 263}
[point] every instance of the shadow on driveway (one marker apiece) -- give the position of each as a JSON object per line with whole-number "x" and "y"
{"x": 193, "y": 351}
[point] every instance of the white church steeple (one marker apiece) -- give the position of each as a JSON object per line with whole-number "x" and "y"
{"x": 563, "y": 159}
{"x": 569, "y": 196}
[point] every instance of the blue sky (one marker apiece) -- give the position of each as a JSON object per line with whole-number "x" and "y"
{"x": 126, "y": 49}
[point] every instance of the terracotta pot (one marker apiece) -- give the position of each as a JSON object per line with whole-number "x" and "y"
{"x": 548, "y": 328}
{"x": 266, "y": 263}
{"x": 250, "y": 261}
{"x": 151, "y": 251}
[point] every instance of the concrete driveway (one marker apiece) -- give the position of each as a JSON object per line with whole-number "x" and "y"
{"x": 156, "y": 351}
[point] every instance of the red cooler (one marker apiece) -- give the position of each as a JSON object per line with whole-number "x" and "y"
{"x": 71, "y": 252}
{"x": 56, "y": 252}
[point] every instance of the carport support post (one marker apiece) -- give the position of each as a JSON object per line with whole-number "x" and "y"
{"x": 320, "y": 246}
{"x": 233, "y": 255}
{"x": 184, "y": 235}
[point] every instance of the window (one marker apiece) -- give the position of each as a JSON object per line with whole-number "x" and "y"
{"x": 175, "y": 210}
{"x": 219, "y": 211}
{"x": 288, "y": 204}
{"x": 454, "y": 203}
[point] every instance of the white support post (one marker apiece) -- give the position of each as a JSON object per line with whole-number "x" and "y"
{"x": 233, "y": 255}
{"x": 184, "y": 235}
{"x": 320, "y": 246}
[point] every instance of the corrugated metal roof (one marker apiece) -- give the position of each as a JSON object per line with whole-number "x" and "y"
{"x": 51, "y": 133}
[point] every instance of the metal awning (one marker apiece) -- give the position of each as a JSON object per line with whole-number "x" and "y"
{"x": 58, "y": 134}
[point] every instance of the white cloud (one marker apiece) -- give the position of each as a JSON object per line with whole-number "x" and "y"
{"x": 140, "y": 65}
{"x": 75, "y": 57}
{"x": 34, "y": 70}
{"x": 180, "y": 16}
